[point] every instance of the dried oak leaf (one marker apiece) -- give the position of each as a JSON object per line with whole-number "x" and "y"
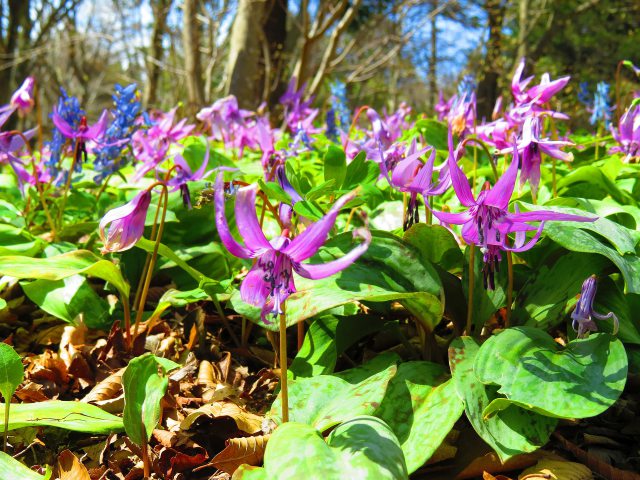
{"x": 70, "y": 468}
{"x": 550, "y": 468}
{"x": 245, "y": 421}
{"x": 238, "y": 451}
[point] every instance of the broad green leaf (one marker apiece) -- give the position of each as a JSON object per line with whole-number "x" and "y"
{"x": 326, "y": 339}
{"x": 581, "y": 380}
{"x": 63, "y": 266}
{"x": 11, "y": 371}
{"x": 401, "y": 275}
{"x": 17, "y": 241}
{"x": 510, "y": 432}
{"x": 550, "y": 289}
{"x": 360, "y": 172}
{"x": 421, "y": 407}
{"x": 437, "y": 245}
{"x": 143, "y": 387}
{"x": 335, "y": 165}
{"x": 75, "y": 416}
{"x": 308, "y": 210}
{"x": 274, "y": 191}
{"x": 326, "y": 400}
{"x": 361, "y": 448}
{"x": 166, "y": 252}
{"x": 589, "y": 181}
{"x": 68, "y": 298}
{"x": 434, "y": 133}
{"x": 176, "y": 298}
{"x": 10, "y": 468}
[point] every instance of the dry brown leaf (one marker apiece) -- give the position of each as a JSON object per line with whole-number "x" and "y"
{"x": 491, "y": 463}
{"x": 246, "y": 421}
{"x": 107, "y": 389}
{"x": 488, "y": 476}
{"x": 205, "y": 374}
{"x": 595, "y": 463}
{"x": 70, "y": 468}
{"x": 73, "y": 337}
{"x": 548, "y": 468}
{"x": 249, "y": 450}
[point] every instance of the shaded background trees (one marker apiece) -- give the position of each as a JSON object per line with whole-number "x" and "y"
{"x": 194, "y": 51}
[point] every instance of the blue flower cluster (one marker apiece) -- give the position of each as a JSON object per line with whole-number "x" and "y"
{"x": 69, "y": 109}
{"x": 339, "y": 102}
{"x": 601, "y": 110}
{"x": 332, "y": 128}
{"x": 467, "y": 86}
{"x": 109, "y": 156}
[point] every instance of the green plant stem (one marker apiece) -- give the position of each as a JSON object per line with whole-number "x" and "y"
{"x": 225, "y": 320}
{"x": 553, "y": 178}
{"x": 509, "y": 289}
{"x": 145, "y": 455}
{"x": 67, "y": 185}
{"x": 152, "y": 263}
{"x": 300, "y": 328}
{"x": 618, "y": 81}
{"x": 477, "y": 141}
{"x": 472, "y": 255}
{"x": 103, "y": 187}
{"x": 284, "y": 391}
{"x": 7, "y": 403}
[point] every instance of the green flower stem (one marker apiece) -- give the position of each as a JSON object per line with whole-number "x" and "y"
{"x": 164, "y": 200}
{"x": 7, "y": 403}
{"x": 67, "y": 185}
{"x": 472, "y": 255}
{"x": 284, "y": 391}
{"x": 509, "y": 288}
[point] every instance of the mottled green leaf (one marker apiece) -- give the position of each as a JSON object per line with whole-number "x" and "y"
{"x": 326, "y": 400}
{"x": 531, "y": 370}
{"x": 510, "y": 432}
{"x": 421, "y": 407}
{"x": 335, "y": 165}
{"x": 363, "y": 448}
{"x": 437, "y": 245}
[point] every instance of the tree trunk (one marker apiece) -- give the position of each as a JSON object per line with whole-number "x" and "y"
{"x": 192, "y": 64}
{"x": 523, "y": 27}
{"x": 433, "y": 58}
{"x": 256, "y": 54}
{"x": 156, "y": 51}
{"x": 492, "y": 68}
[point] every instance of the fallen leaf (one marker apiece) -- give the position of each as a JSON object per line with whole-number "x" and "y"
{"x": 238, "y": 451}
{"x": 488, "y": 476}
{"x": 73, "y": 337}
{"x": 70, "y": 468}
{"x": 246, "y": 421}
{"x": 491, "y": 463}
{"x": 107, "y": 389}
{"x": 548, "y": 468}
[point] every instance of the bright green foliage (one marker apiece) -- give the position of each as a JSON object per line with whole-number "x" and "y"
{"x": 510, "y": 432}
{"x": 145, "y": 383}
{"x": 10, "y": 468}
{"x": 11, "y": 371}
{"x": 421, "y": 407}
{"x": 532, "y": 371}
{"x": 363, "y": 447}
{"x": 326, "y": 400}
{"x": 75, "y": 416}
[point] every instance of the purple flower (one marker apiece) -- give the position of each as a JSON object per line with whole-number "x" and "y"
{"x": 298, "y": 112}
{"x": 487, "y": 221}
{"x": 462, "y": 114}
{"x": 126, "y": 224}
{"x": 83, "y": 132}
{"x": 540, "y": 94}
{"x": 531, "y": 146}
{"x": 10, "y": 146}
{"x": 270, "y": 281}
{"x": 442, "y": 108}
{"x": 186, "y": 174}
{"x": 21, "y": 100}
{"x": 414, "y": 176}
{"x": 582, "y": 322}
{"x": 628, "y": 133}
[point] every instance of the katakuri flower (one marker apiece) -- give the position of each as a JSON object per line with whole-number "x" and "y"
{"x": 531, "y": 146}
{"x": 487, "y": 221}
{"x": 270, "y": 281}
{"x": 582, "y": 316}
{"x": 126, "y": 224}
{"x": 185, "y": 174}
{"x": 83, "y": 133}
{"x": 21, "y": 101}
{"x": 628, "y": 134}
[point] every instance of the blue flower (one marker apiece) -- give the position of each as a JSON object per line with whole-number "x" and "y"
{"x": 69, "y": 109}
{"x": 109, "y": 156}
{"x": 601, "y": 110}
{"x": 339, "y": 102}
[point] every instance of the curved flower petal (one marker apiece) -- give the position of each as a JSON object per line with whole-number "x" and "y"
{"x": 62, "y": 125}
{"x": 500, "y": 195}
{"x": 254, "y": 288}
{"x": 323, "y": 270}
{"x": 96, "y": 130}
{"x": 458, "y": 178}
{"x": 247, "y": 219}
{"x": 126, "y": 224}
{"x": 453, "y": 218}
{"x": 308, "y": 242}
{"x": 546, "y": 215}
{"x": 222, "y": 226}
